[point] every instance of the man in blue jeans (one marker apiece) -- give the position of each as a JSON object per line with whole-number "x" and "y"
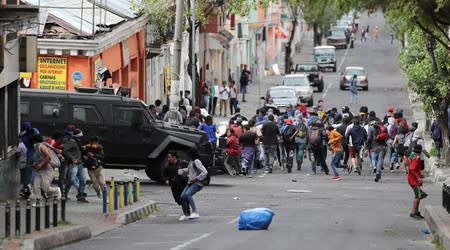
{"x": 376, "y": 139}
{"x": 76, "y": 175}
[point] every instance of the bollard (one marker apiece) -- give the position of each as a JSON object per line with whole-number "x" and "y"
{"x": 138, "y": 189}
{"x": 130, "y": 193}
{"x": 134, "y": 190}
{"x": 7, "y": 220}
{"x": 63, "y": 207}
{"x": 125, "y": 194}
{"x": 17, "y": 231}
{"x": 38, "y": 215}
{"x": 116, "y": 196}
{"x": 28, "y": 217}
{"x": 46, "y": 214}
{"x": 55, "y": 211}
{"x": 112, "y": 181}
{"x": 444, "y": 197}
{"x": 121, "y": 195}
{"x": 111, "y": 198}
{"x": 105, "y": 199}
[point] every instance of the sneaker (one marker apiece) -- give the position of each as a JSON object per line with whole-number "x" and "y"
{"x": 183, "y": 218}
{"x": 374, "y": 170}
{"x": 349, "y": 169}
{"x": 83, "y": 200}
{"x": 416, "y": 216}
{"x": 194, "y": 215}
{"x": 392, "y": 166}
{"x": 99, "y": 194}
{"x": 336, "y": 178}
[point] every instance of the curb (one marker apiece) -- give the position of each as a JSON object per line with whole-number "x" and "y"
{"x": 136, "y": 214}
{"x": 438, "y": 220}
{"x": 52, "y": 238}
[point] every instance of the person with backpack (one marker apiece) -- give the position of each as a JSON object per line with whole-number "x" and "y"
{"x": 289, "y": 143}
{"x": 393, "y": 130}
{"x": 377, "y": 138}
{"x": 93, "y": 155}
{"x": 244, "y": 79}
{"x": 436, "y": 134}
{"x": 76, "y": 175}
{"x": 42, "y": 163}
{"x": 398, "y": 144}
{"x": 171, "y": 177}
{"x": 317, "y": 135}
{"x": 301, "y": 141}
{"x": 356, "y": 137}
{"x": 270, "y": 133}
{"x": 408, "y": 139}
{"x": 415, "y": 180}
{"x": 417, "y": 139}
{"x": 335, "y": 146}
{"x": 196, "y": 173}
{"x": 26, "y": 136}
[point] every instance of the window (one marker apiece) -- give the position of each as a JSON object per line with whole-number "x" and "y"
{"x": 24, "y": 108}
{"x": 50, "y": 109}
{"x": 85, "y": 113}
{"x": 128, "y": 116}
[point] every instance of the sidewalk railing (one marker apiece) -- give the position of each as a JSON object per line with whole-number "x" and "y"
{"x": 446, "y": 197}
{"x": 14, "y": 219}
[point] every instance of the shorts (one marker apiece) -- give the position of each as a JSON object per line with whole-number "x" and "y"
{"x": 353, "y": 151}
{"x": 418, "y": 192}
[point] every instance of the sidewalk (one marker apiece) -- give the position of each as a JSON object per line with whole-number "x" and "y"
{"x": 84, "y": 220}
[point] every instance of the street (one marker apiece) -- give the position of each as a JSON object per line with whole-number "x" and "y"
{"x": 354, "y": 213}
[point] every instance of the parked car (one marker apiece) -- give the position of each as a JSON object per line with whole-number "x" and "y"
{"x": 282, "y": 97}
{"x": 325, "y": 57}
{"x": 349, "y": 72}
{"x": 337, "y": 38}
{"x": 312, "y": 72}
{"x": 131, "y": 136}
{"x": 302, "y": 86}
{"x": 347, "y": 31}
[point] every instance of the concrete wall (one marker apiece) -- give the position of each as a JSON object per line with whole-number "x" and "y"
{"x": 9, "y": 178}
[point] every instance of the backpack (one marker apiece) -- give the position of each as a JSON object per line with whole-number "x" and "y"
{"x": 381, "y": 135}
{"x": 38, "y": 155}
{"x": 393, "y": 130}
{"x": 315, "y": 138}
{"x": 289, "y": 132}
{"x": 301, "y": 131}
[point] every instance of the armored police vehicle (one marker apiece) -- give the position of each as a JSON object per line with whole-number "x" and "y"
{"x": 132, "y": 137}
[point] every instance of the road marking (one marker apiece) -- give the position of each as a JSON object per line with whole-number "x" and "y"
{"x": 233, "y": 220}
{"x": 338, "y": 70}
{"x": 298, "y": 191}
{"x": 187, "y": 243}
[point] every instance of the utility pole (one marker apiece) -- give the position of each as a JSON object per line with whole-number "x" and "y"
{"x": 176, "y": 63}
{"x": 193, "y": 65}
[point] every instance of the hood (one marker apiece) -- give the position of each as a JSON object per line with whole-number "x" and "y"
{"x": 418, "y": 134}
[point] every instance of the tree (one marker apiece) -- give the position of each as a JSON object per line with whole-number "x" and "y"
{"x": 295, "y": 9}
{"x": 320, "y": 14}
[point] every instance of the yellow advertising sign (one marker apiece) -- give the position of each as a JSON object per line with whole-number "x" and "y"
{"x": 167, "y": 79}
{"x": 52, "y": 73}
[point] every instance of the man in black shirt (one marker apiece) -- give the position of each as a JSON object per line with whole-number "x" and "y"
{"x": 270, "y": 132}
{"x": 171, "y": 177}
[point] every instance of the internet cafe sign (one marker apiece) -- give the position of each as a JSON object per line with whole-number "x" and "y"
{"x": 52, "y": 73}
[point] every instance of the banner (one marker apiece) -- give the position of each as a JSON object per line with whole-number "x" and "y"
{"x": 52, "y": 73}
{"x": 167, "y": 79}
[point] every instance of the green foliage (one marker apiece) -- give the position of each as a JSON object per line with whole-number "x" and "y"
{"x": 415, "y": 61}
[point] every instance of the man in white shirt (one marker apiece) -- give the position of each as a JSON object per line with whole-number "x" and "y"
{"x": 224, "y": 95}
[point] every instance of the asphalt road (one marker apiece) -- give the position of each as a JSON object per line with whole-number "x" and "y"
{"x": 354, "y": 213}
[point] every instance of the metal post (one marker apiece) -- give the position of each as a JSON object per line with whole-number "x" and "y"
{"x": 46, "y": 214}
{"x": 111, "y": 198}
{"x": 125, "y": 198}
{"x": 138, "y": 189}
{"x": 38, "y": 215}
{"x": 134, "y": 190}
{"x": 63, "y": 207}
{"x": 121, "y": 195}
{"x": 105, "y": 199}
{"x": 55, "y": 212}
{"x": 28, "y": 217}
{"x": 193, "y": 65}
{"x": 7, "y": 220}
{"x": 116, "y": 197}
{"x": 17, "y": 231}
{"x": 176, "y": 63}
{"x": 130, "y": 193}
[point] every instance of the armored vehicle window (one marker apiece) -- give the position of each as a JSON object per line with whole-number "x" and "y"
{"x": 50, "y": 109}
{"x": 85, "y": 113}
{"x": 128, "y": 116}
{"x": 24, "y": 108}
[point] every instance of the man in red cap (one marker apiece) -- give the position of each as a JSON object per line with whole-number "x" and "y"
{"x": 390, "y": 113}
